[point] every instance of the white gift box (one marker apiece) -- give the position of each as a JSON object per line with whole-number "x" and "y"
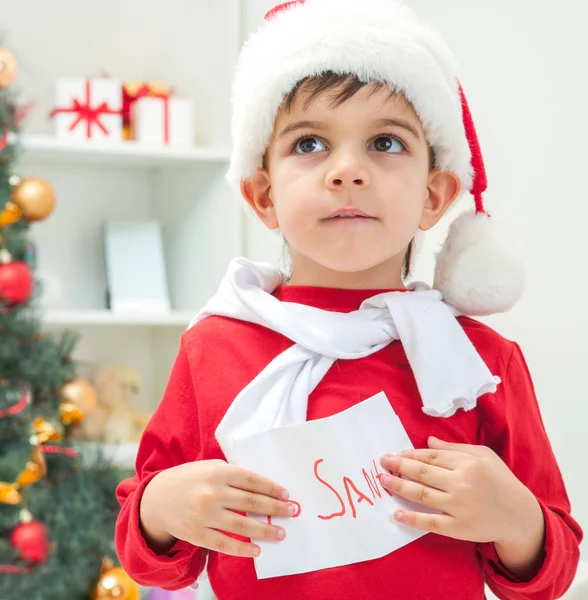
{"x": 163, "y": 121}
{"x": 88, "y": 109}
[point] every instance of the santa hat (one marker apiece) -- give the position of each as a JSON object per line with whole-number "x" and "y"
{"x": 477, "y": 270}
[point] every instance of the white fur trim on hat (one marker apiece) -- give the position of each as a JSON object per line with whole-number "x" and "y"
{"x": 377, "y": 40}
{"x": 479, "y": 270}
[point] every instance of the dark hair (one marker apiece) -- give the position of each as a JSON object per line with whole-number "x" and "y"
{"x": 342, "y": 88}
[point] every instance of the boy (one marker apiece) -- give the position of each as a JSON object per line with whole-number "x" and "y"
{"x": 352, "y": 134}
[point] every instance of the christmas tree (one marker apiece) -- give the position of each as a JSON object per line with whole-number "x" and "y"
{"x": 57, "y": 511}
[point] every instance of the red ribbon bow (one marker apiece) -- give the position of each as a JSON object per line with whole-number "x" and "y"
{"x": 166, "y": 120}
{"x": 85, "y": 112}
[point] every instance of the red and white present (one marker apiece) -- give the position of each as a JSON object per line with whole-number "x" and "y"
{"x": 88, "y": 109}
{"x": 163, "y": 121}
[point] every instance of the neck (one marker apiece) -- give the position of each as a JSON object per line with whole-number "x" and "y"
{"x": 386, "y": 275}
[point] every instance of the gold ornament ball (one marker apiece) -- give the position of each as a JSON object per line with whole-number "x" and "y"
{"x": 81, "y": 394}
{"x": 115, "y": 584}
{"x": 8, "y": 67}
{"x": 35, "y": 197}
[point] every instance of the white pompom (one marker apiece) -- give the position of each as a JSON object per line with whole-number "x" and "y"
{"x": 479, "y": 270}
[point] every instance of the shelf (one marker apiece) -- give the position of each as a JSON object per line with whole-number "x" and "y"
{"x": 106, "y": 317}
{"x": 47, "y": 148}
{"x": 121, "y": 455}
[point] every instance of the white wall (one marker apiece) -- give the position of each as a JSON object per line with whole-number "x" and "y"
{"x": 524, "y": 69}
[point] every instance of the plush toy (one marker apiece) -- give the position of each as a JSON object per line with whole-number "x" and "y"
{"x": 116, "y": 418}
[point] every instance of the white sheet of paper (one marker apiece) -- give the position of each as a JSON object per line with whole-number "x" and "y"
{"x": 330, "y": 467}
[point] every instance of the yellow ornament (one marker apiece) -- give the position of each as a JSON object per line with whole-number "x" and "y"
{"x": 8, "y": 67}
{"x": 34, "y": 470}
{"x": 115, "y": 584}
{"x": 79, "y": 400}
{"x": 9, "y": 494}
{"x": 35, "y": 197}
{"x": 31, "y": 474}
{"x": 45, "y": 431}
{"x": 71, "y": 415}
{"x": 11, "y": 214}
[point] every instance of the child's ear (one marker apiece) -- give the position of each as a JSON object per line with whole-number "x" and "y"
{"x": 257, "y": 192}
{"x": 442, "y": 189}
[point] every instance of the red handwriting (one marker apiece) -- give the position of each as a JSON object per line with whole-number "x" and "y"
{"x": 375, "y": 488}
{"x": 335, "y": 514}
{"x": 374, "y": 485}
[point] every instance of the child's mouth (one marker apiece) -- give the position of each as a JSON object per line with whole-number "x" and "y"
{"x": 348, "y": 213}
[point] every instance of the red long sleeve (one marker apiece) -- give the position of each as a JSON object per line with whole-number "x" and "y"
{"x": 524, "y": 446}
{"x": 163, "y": 445}
{"x": 219, "y": 357}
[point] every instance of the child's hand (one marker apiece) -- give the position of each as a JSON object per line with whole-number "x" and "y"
{"x": 195, "y": 502}
{"x": 480, "y": 498}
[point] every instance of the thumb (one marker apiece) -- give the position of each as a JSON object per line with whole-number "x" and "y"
{"x": 437, "y": 444}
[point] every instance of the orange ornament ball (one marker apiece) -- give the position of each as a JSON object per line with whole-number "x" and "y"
{"x": 11, "y": 214}
{"x": 35, "y": 197}
{"x": 8, "y": 67}
{"x": 81, "y": 394}
{"x": 115, "y": 584}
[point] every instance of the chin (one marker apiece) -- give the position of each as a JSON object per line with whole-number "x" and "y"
{"x": 345, "y": 264}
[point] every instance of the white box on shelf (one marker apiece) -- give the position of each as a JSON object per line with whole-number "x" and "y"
{"x": 162, "y": 121}
{"x": 88, "y": 109}
{"x": 135, "y": 267}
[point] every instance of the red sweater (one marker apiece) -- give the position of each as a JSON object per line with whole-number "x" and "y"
{"x": 219, "y": 356}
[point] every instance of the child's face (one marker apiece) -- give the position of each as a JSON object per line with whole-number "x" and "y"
{"x": 368, "y": 154}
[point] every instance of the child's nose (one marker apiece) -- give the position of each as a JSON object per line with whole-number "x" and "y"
{"x": 347, "y": 173}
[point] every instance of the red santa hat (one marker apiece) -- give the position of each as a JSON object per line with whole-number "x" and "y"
{"x": 478, "y": 270}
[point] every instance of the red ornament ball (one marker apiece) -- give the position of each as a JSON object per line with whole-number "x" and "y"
{"x": 16, "y": 282}
{"x": 31, "y": 541}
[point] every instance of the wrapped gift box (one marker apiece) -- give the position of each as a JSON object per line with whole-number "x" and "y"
{"x": 163, "y": 121}
{"x": 131, "y": 92}
{"x": 88, "y": 109}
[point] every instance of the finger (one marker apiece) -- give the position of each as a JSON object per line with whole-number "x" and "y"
{"x": 258, "y": 504}
{"x": 219, "y": 542}
{"x": 418, "y": 471}
{"x": 437, "y": 444}
{"x": 445, "y": 459}
{"x": 241, "y": 478}
{"x": 415, "y": 492}
{"x": 250, "y": 528}
{"x": 440, "y": 524}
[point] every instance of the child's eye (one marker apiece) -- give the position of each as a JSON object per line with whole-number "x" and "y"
{"x": 387, "y": 143}
{"x": 309, "y": 145}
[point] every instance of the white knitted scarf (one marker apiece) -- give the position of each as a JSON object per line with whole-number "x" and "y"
{"x": 449, "y": 372}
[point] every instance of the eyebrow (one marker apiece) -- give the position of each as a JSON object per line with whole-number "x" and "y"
{"x": 398, "y": 123}
{"x": 380, "y": 123}
{"x": 300, "y": 125}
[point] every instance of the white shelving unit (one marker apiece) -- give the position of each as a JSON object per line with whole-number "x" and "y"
{"x": 106, "y": 317}
{"x": 184, "y": 189}
{"x": 123, "y": 455}
{"x": 48, "y": 148}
